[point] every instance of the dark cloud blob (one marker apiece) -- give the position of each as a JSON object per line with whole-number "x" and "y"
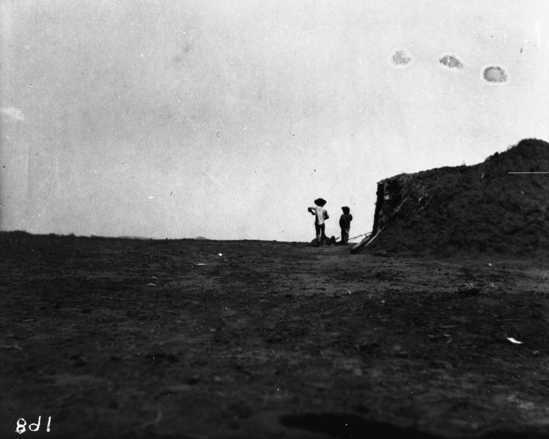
{"x": 400, "y": 58}
{"x": 494, "y": 75}
{"x": 450, "y": 61}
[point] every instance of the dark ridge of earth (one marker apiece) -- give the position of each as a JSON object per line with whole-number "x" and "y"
{"x": 475, "y": 209}
{"x": 122, "y": 338}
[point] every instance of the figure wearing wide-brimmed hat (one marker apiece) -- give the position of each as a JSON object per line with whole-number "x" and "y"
{"x": 321, "y": 215}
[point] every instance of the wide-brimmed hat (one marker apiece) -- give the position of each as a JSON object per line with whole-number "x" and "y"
{"x": 320, "y": 202}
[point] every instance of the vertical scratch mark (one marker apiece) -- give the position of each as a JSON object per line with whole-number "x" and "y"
{"x": 215, "y": 179}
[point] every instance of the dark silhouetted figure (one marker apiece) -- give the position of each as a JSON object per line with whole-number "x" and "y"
{"x": 321, "y": 215}
{"x": 345, "y": 224}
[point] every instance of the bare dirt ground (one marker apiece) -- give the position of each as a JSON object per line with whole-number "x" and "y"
{"x": 251, "y": 339}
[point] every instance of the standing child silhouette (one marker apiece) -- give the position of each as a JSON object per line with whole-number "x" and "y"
{"x": 321, "y": 215}
{"x": 345, "y": 224}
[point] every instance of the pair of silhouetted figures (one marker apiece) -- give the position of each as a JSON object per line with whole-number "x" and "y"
{"x": 321, "y": 215}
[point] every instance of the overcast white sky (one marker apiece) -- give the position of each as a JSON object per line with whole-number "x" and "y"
{"x": 226, "y": 119}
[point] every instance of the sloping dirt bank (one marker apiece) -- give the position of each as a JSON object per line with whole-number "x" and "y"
{"x": 488, "y": 208}
{"x": 208, "y": 339}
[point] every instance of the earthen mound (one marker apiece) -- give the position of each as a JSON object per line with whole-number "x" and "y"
{"x": 498, "y": 206}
